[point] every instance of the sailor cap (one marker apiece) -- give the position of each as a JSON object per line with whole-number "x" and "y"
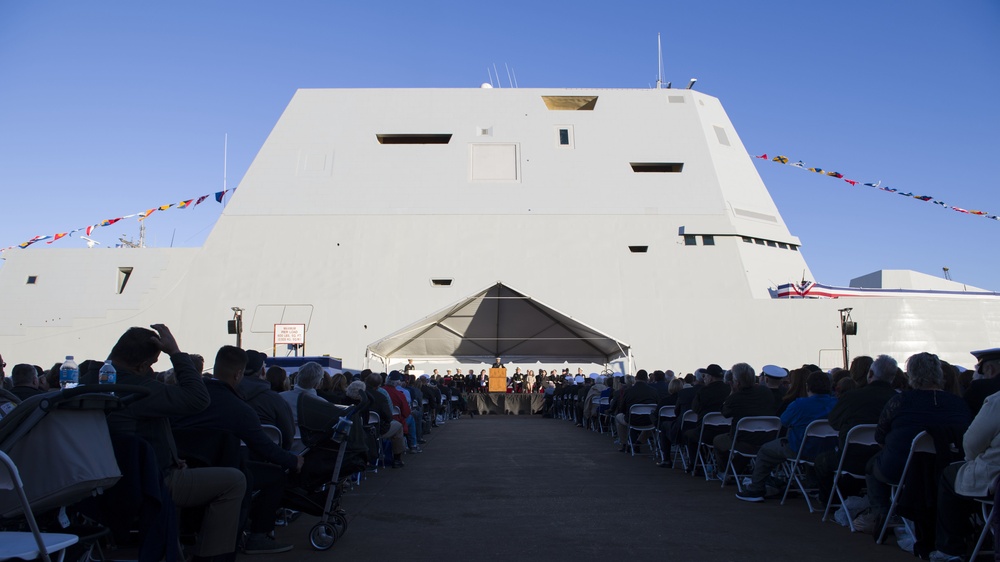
{"x": 774, "y": 371}
{"x": 986, "y": 354}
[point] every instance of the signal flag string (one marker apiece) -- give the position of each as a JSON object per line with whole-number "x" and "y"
{"x": 186, "y": 204}
{"x": 877, "y": 185}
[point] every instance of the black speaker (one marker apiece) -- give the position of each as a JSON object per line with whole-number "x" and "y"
{"x": 232, "y": 326}
{"x": 849, "y": 328}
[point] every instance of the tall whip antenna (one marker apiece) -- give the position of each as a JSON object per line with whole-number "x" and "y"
{"x": 659, "y": 51}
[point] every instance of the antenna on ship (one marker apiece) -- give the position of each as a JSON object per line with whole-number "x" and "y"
{"x": 946, "y": 274}
{"x": 499, "y": 84}
{"x": 509, "y": 81}
{"x": 225, "y": 158}
{"x": 659, "y": 75}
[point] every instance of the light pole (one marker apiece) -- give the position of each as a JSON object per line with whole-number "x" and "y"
{"x": 236, "y": 325}
{"x": 848, "y": 327}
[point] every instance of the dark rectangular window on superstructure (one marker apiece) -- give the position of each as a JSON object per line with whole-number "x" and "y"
{"x": 638, "y": 249}
{"x": 418, "y": 138}
{"x": 564, "y": 137}
{"x": 657, "y": 167}
{"x": 690, "y": 240}
{"x": 708, "y": 240}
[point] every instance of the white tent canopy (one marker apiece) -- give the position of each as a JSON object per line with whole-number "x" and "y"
{"x": 500, "y": 322}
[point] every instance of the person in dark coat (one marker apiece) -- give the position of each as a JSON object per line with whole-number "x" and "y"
{"x": 708, "y": 399}
{"x": 220, "y": 489}
{"x": 229, "y": 412}
{"x": 270, "y": 407}
{"x": 746, "y": 399}
{"x": 639, "y": 393}
{"x": 859, "y": 406}
{"x": 987, "y": 383}
{"x": 24, "y": 380}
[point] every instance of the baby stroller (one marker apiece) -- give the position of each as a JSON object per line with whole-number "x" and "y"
{"x": 322, "y": 498}
{"x": 61, "y": 444}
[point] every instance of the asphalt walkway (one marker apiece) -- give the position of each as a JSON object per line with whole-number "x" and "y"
{"x": 527, "y": 488}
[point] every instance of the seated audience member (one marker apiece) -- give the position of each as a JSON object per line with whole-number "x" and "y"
{"x": 985, "y": 380}
{"x": 796, "y": 387}
{"x": 860, "y": 406}
{"x": 315, "y": 419}
{"x": 401, "y": 405}
{"x": 229, "y": 412}
{"x": 390, "y": 429}
{"x": 306, "y": 382}
{"x": 199, "y": 362}
{"x": 775, "y": 378}
{"x": 433, "y": 396}
{"x": 661, "y": 385}
{"x": 923, "y": 408}
{"x": 951, "y": 383}
{"x": 593, "y": 393}
{"x": 860, "y": 366}
{"x": 52, "y": 376}
{"x": 270, "y": 407}
{"x": 221, "y": 490}
{"x": 24, "y": 381}
{"x": 843, "y": 386}
{"x": 277, "y": 378}
{"x": 43, "y": 382}
{"x": 746, "y": 399}
{"x": 961, "y": 482}
{"x": 708, "y": 399}
{"x": 796, "y": 417}
{"x": 640, "y": 393}
{"x": 335, "y": 390}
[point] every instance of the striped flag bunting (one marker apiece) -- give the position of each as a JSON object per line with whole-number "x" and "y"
{"x": 89, "y": 229}
{"x": 877, "y": 185}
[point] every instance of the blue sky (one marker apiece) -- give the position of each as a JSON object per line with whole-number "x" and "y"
{"x": 109, "y": 108}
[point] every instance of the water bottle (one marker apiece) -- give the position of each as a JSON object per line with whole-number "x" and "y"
{"x": 108, "y": 374}
{"x": 69, "y": 373}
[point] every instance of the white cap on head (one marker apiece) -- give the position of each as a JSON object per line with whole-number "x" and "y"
{"x": 774, "y": 371}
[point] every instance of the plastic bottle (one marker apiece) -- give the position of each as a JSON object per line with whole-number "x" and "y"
{"x": 108, "y": 373}
{"x": 69, "y": 373}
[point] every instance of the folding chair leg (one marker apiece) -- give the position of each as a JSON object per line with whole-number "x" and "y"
{"x": 987, "y": 528}
{"x": 888, "y": 516}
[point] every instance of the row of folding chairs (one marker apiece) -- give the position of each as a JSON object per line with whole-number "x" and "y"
{"x": 819, "y": 436}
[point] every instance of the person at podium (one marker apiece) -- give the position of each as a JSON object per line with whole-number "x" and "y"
{"x": 497, "y": 364}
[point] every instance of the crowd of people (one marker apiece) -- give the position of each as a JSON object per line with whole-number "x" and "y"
{"x": 192, "y": 423}
{"x": 957, "y": 407}
{"x": 240, "y": 500}
{"x": 518, "y": 380}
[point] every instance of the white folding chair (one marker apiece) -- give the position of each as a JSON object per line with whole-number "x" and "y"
{"x": 595, "y": 419}
{"x": 705, "y": 450}
{"x": 989, "y": 514}
{"x": 36, "y": 544}
{"x": 643, "y": 412}
{"x": 818, "y": 430}
{"x": 922, "y": 443}
{"x": 749, "y": 424}
{"x": 688, "y": 421}
{"x": 603, "y": 417}
{"x": 272, "y": 432}
{"x": 858, "y": 437}
{"x": 667, "y": 414}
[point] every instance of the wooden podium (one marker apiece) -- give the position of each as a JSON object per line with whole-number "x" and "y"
{"x": 498, "y": 380}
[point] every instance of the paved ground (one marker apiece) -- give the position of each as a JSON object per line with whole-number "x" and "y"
{"x": 506, "y": 487}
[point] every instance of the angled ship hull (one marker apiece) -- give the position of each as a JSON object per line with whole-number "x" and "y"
{"x": 637, "y": 212}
